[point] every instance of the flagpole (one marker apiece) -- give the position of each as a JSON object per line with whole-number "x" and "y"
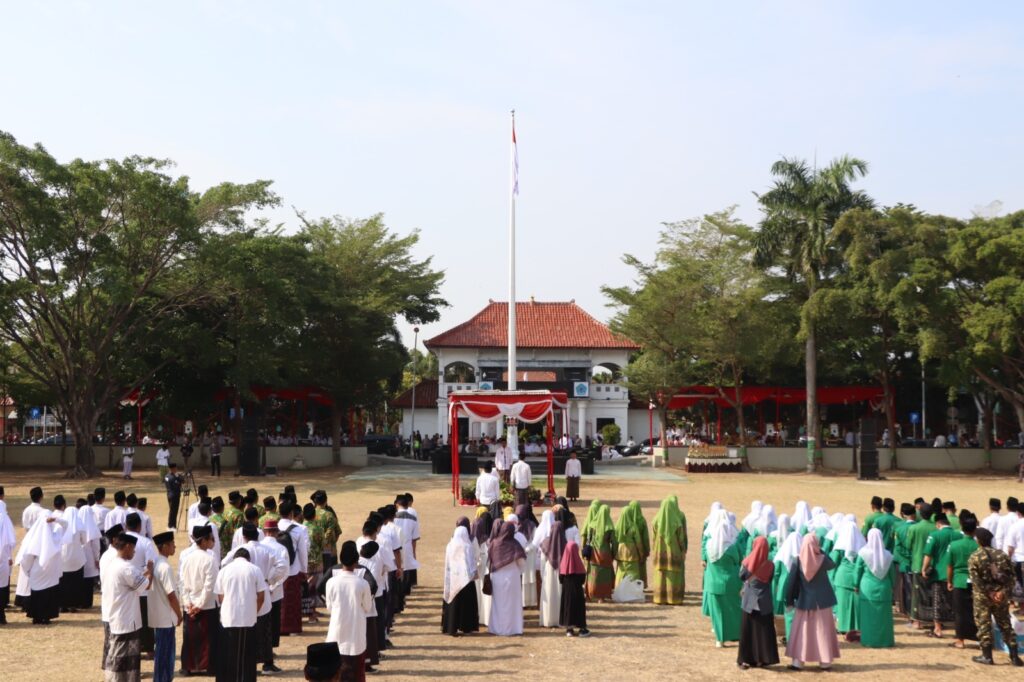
{"x": 514, "y": 188}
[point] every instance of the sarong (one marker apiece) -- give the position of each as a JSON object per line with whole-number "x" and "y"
{"x": 275, "y": 625}
{"x": 262, "y": 636}
{"x": 309, "y": 596}
{"x": 71, "y": 589}
{"x": 522, "y": 496}
{"x": 146, "y": 638}
{"x": 237, "y": 656}
{"x": 124, "y": 659}
{"x": 963, "y": 613}
{"x": 921, "y": 600}
{"x": 572, "y": 487}
{"x": 44, "y": 605}
{"x": 942, "y": 602}
{"x": 353, "y": 668}
{"x": 198, "y": 633}
{"x": 291, "y": 605}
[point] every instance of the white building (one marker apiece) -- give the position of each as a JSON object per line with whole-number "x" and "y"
{"x": 560, "y": 347}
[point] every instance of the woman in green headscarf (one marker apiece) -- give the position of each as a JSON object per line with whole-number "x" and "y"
{"x": 589, "y": 519}
{"x": 599, "y": 535}
{"x": 634, "y": 544}
{"x": 669, "y": 553}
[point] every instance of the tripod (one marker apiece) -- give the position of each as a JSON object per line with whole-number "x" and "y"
{"x": 189, "y": 488}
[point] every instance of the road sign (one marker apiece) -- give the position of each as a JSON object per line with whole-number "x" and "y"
{"x": 915, "y": 417}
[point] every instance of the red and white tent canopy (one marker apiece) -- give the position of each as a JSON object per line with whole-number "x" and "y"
{"x": 491, "y": 406}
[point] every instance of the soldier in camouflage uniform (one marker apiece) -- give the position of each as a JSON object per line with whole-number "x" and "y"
{"x": 992, "y": 576}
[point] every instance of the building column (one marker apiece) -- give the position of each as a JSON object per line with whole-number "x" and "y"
{"x": 442, "y": 420}
{"x": 582, "y": 405}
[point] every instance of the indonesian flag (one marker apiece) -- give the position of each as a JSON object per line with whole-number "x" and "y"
{"x": 515, "y": 160}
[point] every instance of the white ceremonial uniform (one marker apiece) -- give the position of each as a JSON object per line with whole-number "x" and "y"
{"x": 239, "y": 582}
{"x": 488, "y": 489}
{"x": 349, "y": 601}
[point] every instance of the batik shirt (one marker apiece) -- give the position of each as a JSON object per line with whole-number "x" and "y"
{"x": 332, "y": 529}
{"x": 316, "y": 545}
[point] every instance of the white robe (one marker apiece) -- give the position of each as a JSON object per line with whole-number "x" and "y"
{"x": 483, "y": 601}
{"x": 550, "y": 595}
{"x": 530, "y": 576}
{"x": 507, "y": 599}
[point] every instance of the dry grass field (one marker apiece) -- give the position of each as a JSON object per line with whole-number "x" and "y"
{"x": 635, "y": 641}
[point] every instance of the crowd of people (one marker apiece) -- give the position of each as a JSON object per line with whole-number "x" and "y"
{"x": 821, "y": 575}
{"x": 255, "y": 570}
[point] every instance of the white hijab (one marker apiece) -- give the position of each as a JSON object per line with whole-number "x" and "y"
{"x": 544, "y": 527}
{"x": 835, "y": 521}
{"x": 767, "y": 522}
{"x": 789, "y": 550}
{"x": 801, "y": 518}
{"x": 755, "y": 513}
{"x": 721, "y": 535}
{"x": 715, "y": 506}
{"x": 88, "y": 521}
{"x": 875, "y": 555}
{"x": 459, "y": 564}
{"x": 7, "y": 538}
{"x": 848, "y": 539}
{"x": 782, "y": 530}
{"x": 42, "y": 541}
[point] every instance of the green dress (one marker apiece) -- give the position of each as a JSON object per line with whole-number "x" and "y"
{"x": 874, "y": 607}
{"x": 844, "y": 582}
{"x": 723, "y": 585}
{"x": 779, "y": 595}
{"x": 669, "y": 553}
{"x": 634, "y": 544}
{"x": 600, "y": 567}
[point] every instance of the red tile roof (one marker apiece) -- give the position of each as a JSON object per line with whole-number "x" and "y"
{"x": 538, "y": 325}
{"x": 426, "y": 396}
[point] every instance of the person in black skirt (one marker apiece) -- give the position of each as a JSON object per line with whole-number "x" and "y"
{"x": 757, "y": 629}
{"x": 460, "y": 613}
{"x": 572, "y": 574}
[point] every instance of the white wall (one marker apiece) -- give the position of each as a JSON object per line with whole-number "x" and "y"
{"x": 426, "y": 420}
{"x": 145, "y": 456}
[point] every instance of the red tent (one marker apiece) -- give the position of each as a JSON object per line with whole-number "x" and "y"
{"x": 491, "y": 406}
{"x": 689, "y": 396}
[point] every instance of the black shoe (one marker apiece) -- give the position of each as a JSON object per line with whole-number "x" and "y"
{"x": 370, "y": 669}
{"x": 270, "y": 669}
{"x": 985, "y": 658}
{"x": 1015, "y": 656}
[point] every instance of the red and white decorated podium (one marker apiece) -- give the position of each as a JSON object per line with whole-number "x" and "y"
{"x": 491, "y": 406}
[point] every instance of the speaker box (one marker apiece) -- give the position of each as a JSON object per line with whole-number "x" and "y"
{"x": 249, "y": 451}
{"x": 868, "y": 450}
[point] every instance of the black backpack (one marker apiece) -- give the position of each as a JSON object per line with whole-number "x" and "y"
{"x": 285, "y": 539}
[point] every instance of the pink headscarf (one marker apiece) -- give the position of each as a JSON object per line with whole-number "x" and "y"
{"x": 757, "y": 561}
{"x": 571, "y": 562}
{"x": 811, "y": 557}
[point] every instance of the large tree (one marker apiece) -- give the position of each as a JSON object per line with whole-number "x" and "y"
{"x": 95, "y": 264}
{"x": 796, "y": 236}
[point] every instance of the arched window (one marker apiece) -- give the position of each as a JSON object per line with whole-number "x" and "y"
{"x": 459, "y": 373}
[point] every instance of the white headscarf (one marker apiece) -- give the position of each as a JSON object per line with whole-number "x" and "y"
{"x": 782, "y": 530}
{"x": 789, "y": 550}
{"x": 721, "y": 535}
{"x": 7, "y": 538}
{"x": 74, "y": 527}
{"x": 801, "y": 518}
{"x": 459, "y": 564}
{"x": 42, "y": 541}
{"x": 848, "y": 539}
{"x": 544, "y": 527}
{"x": 875, "y": 555}
{"x": 767, "y": 522}
{"x": 755, "y": 513}
{"x": 835, "y": 521}
{"x": 88, "y": 521}
{"x": 715, "y": 506}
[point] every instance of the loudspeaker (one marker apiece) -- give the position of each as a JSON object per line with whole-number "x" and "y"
{"x": 249, "y": 451}
{"x": 868, "y": 451}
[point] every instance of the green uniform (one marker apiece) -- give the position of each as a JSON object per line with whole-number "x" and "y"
{"x": 887, "y": 523}
{"x": 634, "y": 544}
{"x": 958, "y": 553}
{"x": 723, "y": 585}
{"x": 874, "y": 607}
{"x": 844, "y": 581}
{"x": 980, "y": 568}
{"x": 316, "y": 546}
{"x": 920, "y": 601}
{"x": 935, "y": 549}
{"x": 668, "y": 553}
{"x": 223, "y": 533}
{"x": 917, "y": 537}
{"x": 234, "y": 519}
{"x": 954, "y": 522}
{"x": 869, "y": 522}
{"x": 901, "y": 546}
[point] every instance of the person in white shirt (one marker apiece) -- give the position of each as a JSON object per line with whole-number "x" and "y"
{"x": 145, "y": 554}
{"x": 241, "y": 590}
{"x": 350, "y": 602}
{"x": 488, "y": 490}
{"x": 118, "y": 514}
{"x": 198, "y": 569}
{"x": 163, "y": 458}
{"x": 276, "y": 584}
{"x": 1006, "y": 521}
{"x": 127, "y": 459}
{"x": 91, "y": 548}
{"x": 29, "y": 516}
{"x": 106, "y": 559}
{"x": 573, "y": 474}
{"x": 202, "y": 518}
{"x": 99, "y": 511}
{"x": 409, "y": 525}
{"x": 72, "y": 554}
{"x": 503, "y": 459}
{"x": 147, "y": 520}
{"x": 392, "y": 535}
{"x": 294, "y": 534}
{"x": 1015, "y": 544}
{"x": 273, "y": 572}
{"x": 193, "y": 509}
{"x": 991, "y": 522}
{"x": 377, "y": 567}
{"x": 122, "y": 584}
{"x": 163, "y": 608}
{"x": 522, "y": 476}
{"x": 41, "y": 561}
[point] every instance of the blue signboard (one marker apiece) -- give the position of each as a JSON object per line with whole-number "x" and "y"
{"x": 35, "y": 413}
{"x": 915, "y": 417}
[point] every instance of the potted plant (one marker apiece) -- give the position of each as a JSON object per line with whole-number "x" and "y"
{"x": 467, "y": 495}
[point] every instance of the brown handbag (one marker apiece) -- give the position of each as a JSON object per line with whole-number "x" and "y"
{"x": 487, "y": 588}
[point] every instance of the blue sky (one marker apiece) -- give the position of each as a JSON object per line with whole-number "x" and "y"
{"x": 628, "y": 114}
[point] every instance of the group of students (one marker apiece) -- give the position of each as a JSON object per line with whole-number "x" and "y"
{"x": 826, "y": 575}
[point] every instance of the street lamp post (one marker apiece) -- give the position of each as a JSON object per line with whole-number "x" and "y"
{"x": 412, "y": 419}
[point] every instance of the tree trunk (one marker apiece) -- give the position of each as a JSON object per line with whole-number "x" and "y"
{"x": 986, "y": 406}
{"x": 237, "y": 428}
{"x": 890, "y": 416}
{"x": 740, "y": 420}
{"x": 83, "y": 424}
{"x": 336, "y": 433}
{"x": 811, "y": 374}
{"x": 1018, "y": 408}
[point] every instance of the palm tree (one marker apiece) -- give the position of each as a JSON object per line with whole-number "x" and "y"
{"x": 796, "y": 236}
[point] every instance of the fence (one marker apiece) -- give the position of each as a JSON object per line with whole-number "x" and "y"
{"x": 280, "y": 456}
{"x": 841, "y": 459}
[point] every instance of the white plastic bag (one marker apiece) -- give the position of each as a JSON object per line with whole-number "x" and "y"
{"x": 629, "y": 590}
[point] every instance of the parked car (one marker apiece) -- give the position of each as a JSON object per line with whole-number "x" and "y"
{"x": 57, "y": 439}
{"x": 381, "y": 444}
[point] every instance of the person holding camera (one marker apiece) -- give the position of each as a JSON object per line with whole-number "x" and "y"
{"x": 173, "y": 482}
